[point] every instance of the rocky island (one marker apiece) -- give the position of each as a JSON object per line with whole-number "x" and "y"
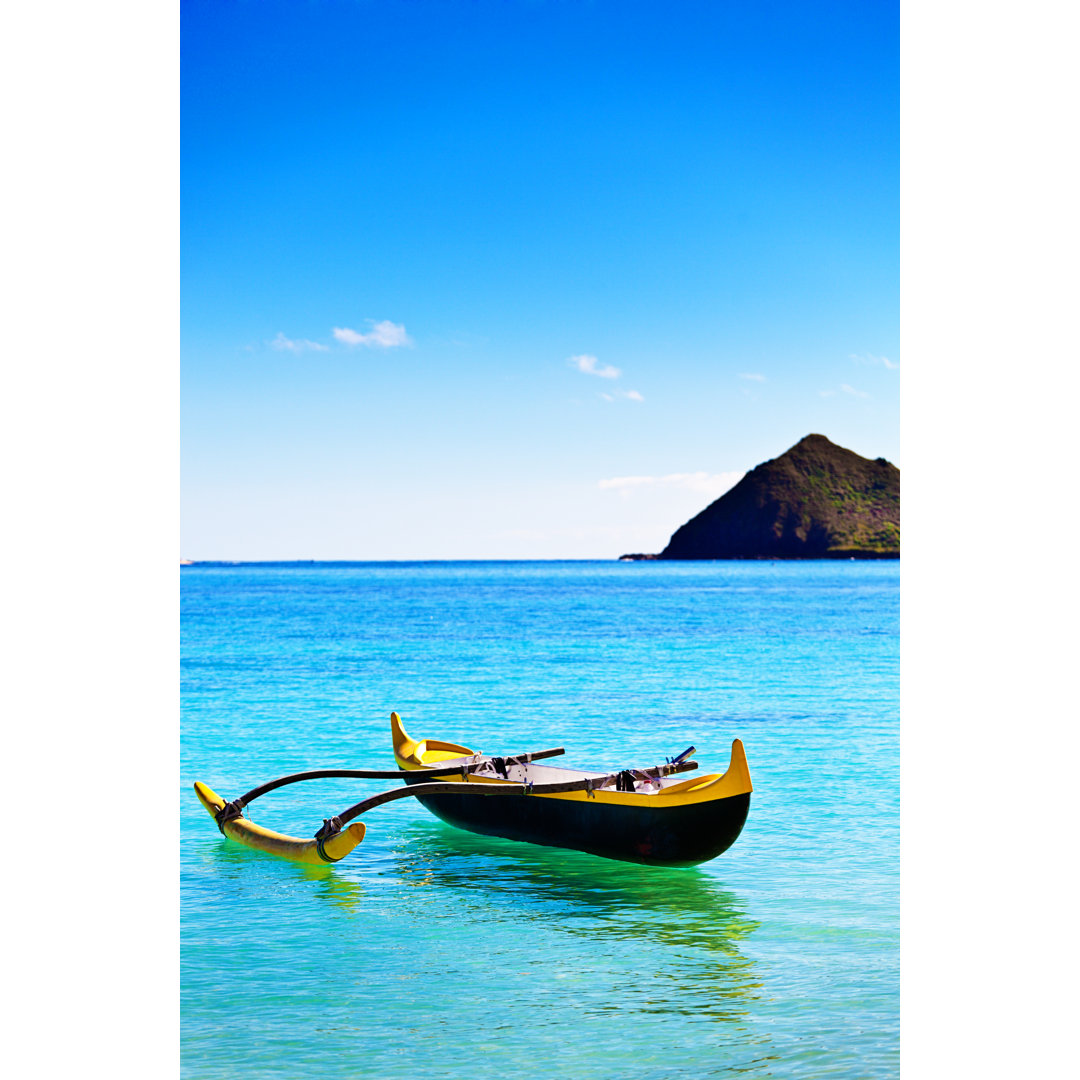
{"x": 816, "y": 501}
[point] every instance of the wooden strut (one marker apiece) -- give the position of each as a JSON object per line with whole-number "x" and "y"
{"x": 232, "y": 810}
{"x": 334, "y": 825}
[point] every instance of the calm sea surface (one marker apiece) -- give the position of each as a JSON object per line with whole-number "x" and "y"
{"x": 430, "y": 952}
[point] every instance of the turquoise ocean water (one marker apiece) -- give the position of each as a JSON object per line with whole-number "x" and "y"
{"x": 430, "y": 952}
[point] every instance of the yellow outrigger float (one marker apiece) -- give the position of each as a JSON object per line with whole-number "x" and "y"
{"x": 247, "y": 832}
{"x": 637, "y": 815}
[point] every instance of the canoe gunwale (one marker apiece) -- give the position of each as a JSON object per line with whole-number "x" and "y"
{"x": 734, "y": 781}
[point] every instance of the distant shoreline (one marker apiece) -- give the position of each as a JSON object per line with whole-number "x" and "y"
{"x": 826, "y": 556}
{"x": 861, "y": 557}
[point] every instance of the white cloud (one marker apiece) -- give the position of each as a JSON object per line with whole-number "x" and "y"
{"x": 299, "y": 345}
{"x": 852, "y": 391}
{"x": 626, "y": 395}
{"x": 383, "y": 335}
{"x": 589, "y": 365}
{"x": 874, "y": 361}
{"x": 843, "y": 388}
{"x": 752, "y": 377}
{"x": 633, "y": 395}
{"x": 712, "y": 484}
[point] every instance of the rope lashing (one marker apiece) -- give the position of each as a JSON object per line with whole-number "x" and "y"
{"x": 229, "y": 812}
{"x": 331, "y": 826}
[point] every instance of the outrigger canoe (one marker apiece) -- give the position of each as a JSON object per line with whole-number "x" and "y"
{"x": 636, "y": 815}
{"x": 633, "y": 816}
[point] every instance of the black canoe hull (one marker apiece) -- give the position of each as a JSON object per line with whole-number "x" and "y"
{"x": 671, "y": 836}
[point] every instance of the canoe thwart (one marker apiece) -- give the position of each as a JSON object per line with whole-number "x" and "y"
{"x": 463, "y": 787}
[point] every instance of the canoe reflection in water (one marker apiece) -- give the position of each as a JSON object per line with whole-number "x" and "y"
{"x": 682, "y": 926}
{"x": 648, "y": 940}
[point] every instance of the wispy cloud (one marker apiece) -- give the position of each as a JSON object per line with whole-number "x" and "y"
{"x": 711, "y": 484}
{"x": 626, "y": 395}
{"x": 852, "y": 391}
{"x": 752, "y": 376}
{"x": 871, "y": 360}
{"x": 281, "y": 342}
{"x": 382, "y": 335}
{"x": 843, "y": 388}
{"x": 591, "y": 366}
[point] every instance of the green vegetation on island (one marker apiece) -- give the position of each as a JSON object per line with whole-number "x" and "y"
{"x": 816, "y": 501}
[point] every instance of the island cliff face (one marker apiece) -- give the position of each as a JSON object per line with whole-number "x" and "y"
{"x": 817, "y": 501}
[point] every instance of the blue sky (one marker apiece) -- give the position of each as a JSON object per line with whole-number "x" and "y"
{"x": 525, "y": 279}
